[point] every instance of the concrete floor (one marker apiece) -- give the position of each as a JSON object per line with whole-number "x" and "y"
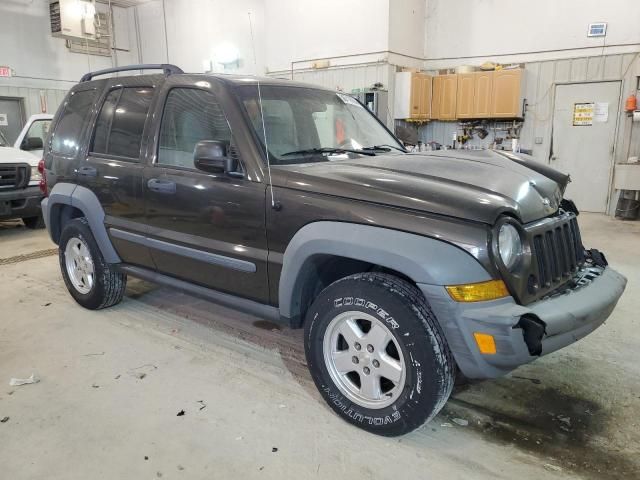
{"x": 113, "y": 382}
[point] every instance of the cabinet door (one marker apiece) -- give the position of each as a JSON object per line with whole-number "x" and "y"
{"x": 482, "y": 90}
{"x": 425, "y": 98}
{"x": 506, "y": 93}
{"x": 436, "y": 97}
{"x": 464, "y": 100}
{"x": 416, "y": 95}
{"x": 448, "y": 97}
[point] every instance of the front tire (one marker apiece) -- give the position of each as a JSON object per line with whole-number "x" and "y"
{"x": 91, "y": 281}
{"x": 377, "y": 354}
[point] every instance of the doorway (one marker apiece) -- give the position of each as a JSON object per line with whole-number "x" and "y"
{"x": 11, "y": 118}
{"x": 584, "y": 127}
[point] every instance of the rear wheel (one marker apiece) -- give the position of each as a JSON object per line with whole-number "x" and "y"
{"x": 92, "y": 282}
{"x": 376, "y": 353}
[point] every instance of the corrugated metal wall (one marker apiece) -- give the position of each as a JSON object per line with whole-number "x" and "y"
{"x": 352, "y": 78}
{"x": 540, "y": 81}
{"x": 32, "y": 98}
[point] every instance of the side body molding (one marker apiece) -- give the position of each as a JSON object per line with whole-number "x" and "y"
{"x": 423, "y": 259}
{"x": 84, "y": 200}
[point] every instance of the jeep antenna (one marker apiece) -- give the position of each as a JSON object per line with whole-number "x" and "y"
{"x": 264, "y": 129}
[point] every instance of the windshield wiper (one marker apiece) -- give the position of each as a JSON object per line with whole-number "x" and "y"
{"x": 384, "y": 148}
{"x": 308, "y": 151}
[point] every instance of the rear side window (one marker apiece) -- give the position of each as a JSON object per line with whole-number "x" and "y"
{"x": 66, "y": 140}
{"x": 190, "y": 116}
{"x": 121, "y": 122}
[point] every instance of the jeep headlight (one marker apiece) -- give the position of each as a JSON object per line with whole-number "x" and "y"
{"x": 35, "y": 175}
{"x": 509, "y": 245}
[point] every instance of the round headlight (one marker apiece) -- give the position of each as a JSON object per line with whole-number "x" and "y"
{"x": 509, "y": 245}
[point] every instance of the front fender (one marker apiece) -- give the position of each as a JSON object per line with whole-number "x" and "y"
{"x": 422, "y": 259}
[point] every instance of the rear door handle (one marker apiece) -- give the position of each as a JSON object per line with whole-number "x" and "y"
{"x": 162, "y": 186}
{"x": 88, "y": 171}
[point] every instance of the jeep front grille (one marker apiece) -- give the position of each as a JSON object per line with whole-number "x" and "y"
{"x": 557, "y": 252}
{"x": 13, "y": 175}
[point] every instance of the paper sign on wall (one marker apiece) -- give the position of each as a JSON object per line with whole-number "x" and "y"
{"x": 583, "y": 114}
{"x": 4, "y": 122}
{"x": 601, "y": 112}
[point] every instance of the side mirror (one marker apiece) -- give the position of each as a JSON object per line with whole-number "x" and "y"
{"x": 32, "y": 143}
{"x": 211, "y": 156}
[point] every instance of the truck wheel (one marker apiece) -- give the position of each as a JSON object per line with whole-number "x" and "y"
{"x": 92, "y": 282}
{"x": 377, "y": 354}
{"x": 33, "y": 223}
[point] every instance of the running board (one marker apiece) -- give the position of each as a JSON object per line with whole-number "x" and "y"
{"x": 238, "y": 303}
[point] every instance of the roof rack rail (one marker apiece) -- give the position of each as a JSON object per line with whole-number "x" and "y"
{"x": 167, "y": 68}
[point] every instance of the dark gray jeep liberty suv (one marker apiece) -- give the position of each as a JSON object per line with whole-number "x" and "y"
{"x": 296, "y": 204}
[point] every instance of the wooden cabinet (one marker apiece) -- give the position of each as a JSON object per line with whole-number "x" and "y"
{"x": 482, "y": 94}
{"x": 443, "y": 104}
{"x": 465, "y": 95}
{"x": 506, "y": 99}
{"x": 426, "y": 86}
{"x": 412, "y": 96}
{"x": 492, "y": 94}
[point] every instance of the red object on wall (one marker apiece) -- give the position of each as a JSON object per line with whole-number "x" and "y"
{"x": 631, "y": 104}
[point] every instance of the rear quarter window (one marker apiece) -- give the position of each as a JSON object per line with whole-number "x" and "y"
{"x": 76, "y": 113}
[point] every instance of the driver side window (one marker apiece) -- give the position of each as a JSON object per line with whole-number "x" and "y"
{"x": 189, "y": 117}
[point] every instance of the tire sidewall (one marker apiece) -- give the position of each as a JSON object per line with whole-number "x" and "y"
{"x": 421, "y": 396}
{"x": 78, "y": 228}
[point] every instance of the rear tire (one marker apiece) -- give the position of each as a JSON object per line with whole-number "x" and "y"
{"x": 34, "y": 223}
{"x": 91, "y": 281}
{"x": 377, "y": 354}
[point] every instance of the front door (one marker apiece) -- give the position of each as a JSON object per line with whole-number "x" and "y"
{"x": 584, "y": 126}
{"x": 205, "y": 228}
{"x": 11, "y": 118}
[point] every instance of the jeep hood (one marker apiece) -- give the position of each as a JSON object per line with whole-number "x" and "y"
{"x": 15, "y": 155}
{"x": 473, "y": 185}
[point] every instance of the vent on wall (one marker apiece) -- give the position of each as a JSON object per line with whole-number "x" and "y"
{"x": 597, "y": 30}
{"x": 100, "y": 45}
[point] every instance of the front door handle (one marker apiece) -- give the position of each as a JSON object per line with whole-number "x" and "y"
{"x": 88, "y": 171}
{"x": 162, "y": 186}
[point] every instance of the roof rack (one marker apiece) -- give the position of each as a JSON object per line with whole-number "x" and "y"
{"x": 167, "y": 68}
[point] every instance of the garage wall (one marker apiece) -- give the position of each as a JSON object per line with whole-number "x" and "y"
{"x": 196, "y": 30}
{"x": 25, "y": 27}
{"x": 471, "y": 32}
{"x": 35, "y": 100}
{"x": 540, "y": 81}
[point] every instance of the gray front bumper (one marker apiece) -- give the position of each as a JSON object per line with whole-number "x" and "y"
{"x": 567, "y": 318}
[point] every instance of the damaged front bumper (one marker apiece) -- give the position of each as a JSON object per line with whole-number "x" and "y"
{"x": 522, "y": 333}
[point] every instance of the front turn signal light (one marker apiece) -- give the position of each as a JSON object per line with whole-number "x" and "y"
{"x": 486, "y": 343}
{"x": 478, "y": 292}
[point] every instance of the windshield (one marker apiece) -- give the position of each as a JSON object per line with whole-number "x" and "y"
{"x": 3, "y": 141}
{"x": 311, "y": 125}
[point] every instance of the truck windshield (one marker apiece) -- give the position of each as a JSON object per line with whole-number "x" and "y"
{"x": 306, "y": 125}
{"x": 3, "y": 141}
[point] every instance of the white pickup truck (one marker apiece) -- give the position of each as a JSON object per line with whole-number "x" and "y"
{"x": 20, "y": 193}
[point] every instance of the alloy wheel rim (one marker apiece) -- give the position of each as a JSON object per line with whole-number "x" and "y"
{"x": 364, "y": 359}
{"x": 79, "y": 264}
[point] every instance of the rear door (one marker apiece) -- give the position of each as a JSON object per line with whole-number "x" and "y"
{"x": 205, "y": 228}
{"x": 113, "y": 170}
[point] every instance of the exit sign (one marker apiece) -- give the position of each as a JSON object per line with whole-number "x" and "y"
{"x": 5, "y": 71}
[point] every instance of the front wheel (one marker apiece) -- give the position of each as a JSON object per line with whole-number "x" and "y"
{"x": 377, "y": 354}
